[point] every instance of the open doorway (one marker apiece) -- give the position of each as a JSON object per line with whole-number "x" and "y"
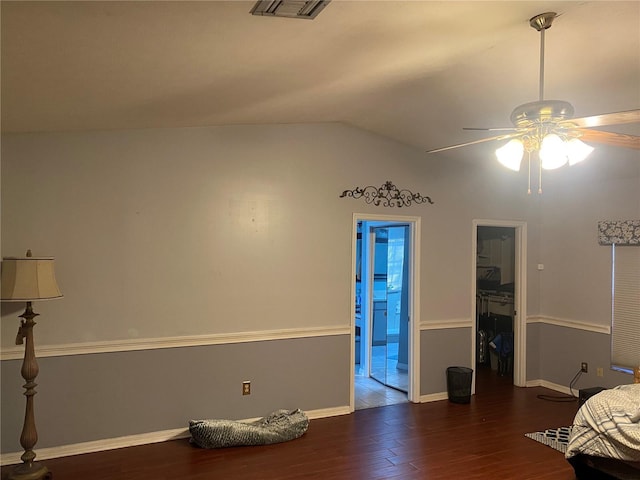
{"x": 499, "y": 329}
{"x": 384, "y": 303}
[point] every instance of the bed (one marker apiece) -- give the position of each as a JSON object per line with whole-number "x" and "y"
{"x": 605, "y": 436}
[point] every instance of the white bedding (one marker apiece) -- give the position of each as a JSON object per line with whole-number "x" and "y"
{"x": 608, "y": 425}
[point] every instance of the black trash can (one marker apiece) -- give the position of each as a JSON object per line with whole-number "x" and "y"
{"x": 459, "y": 384}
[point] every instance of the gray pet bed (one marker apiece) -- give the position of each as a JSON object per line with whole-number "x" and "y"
{"x": 279, "y": 426}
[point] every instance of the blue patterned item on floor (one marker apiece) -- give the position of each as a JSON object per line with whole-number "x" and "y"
{"x": 556, "y": 438}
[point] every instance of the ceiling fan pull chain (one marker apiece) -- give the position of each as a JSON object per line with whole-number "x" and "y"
{"x": 529, "y": 162}
{"x": 539, "y": 175}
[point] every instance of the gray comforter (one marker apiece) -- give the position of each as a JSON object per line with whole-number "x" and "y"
{"x": 608, "y": 425}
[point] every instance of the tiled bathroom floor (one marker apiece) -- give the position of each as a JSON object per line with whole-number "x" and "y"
{"x": 384, "y": 361}
{"x": 369, "y": 393}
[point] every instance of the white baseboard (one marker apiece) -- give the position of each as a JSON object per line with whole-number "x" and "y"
{"x": 434, "y": 397}
{"x": 139, "y": 439}
{"x": 550, "y": 386}
{"x": 328, "y": 412}
{"x": 99, "y": 445}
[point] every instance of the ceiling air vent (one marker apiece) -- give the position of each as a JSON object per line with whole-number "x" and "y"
{"x": 289, "y": 8}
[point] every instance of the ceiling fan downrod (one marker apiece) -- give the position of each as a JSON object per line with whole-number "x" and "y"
{"x": 541, "y": 112}
{"x": 541, "y": 22}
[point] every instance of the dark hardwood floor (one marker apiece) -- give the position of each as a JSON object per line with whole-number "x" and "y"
{"x": 438, "y": 440}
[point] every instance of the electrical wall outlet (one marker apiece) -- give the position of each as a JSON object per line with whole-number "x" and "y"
{"x": 599, "y": 372}
{"x": 246, "y": 387}
{"x": 584, "y": 367}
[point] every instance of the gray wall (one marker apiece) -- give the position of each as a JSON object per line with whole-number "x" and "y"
{"x": 212, "y": 217}
{"x": 211, "y": 231}
{"x": 575, "y": 284}
{"x": 440, "y": 349}
{"x": 99, "y": 396}
{"x": 533, "y": 351}
{"x": 576, "y": 281}
{"x": 562, "y": 351}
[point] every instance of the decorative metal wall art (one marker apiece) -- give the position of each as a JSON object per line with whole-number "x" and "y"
{"x": 620, "y": 232}
{"x": 388, "y": 195}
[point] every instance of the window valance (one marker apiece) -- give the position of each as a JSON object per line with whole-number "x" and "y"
{"x": 619, "y": 232}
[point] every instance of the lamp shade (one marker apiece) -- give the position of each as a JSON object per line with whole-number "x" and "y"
{"x": 28, "y": 279}
{"x": 577, "y": 151}
{"x": 553, "y": 153}
{"x": 510, "y": 155}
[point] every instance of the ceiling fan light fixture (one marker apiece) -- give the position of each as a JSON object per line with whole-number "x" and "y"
{"x": 577, "y": 151}
{"x": 553, "y": 152}
{"x": 510, "y": 155}
{"x": 549, "y": 129}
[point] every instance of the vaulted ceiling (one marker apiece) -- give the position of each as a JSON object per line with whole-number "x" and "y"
{"x": 414, "y": 71}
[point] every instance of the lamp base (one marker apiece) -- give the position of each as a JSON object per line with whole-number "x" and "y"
{"x": 30, "y": 471}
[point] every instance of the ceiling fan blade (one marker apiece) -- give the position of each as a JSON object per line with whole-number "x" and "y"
{"x": 616, "y": 118}
{"x": 609, "y": 138}
{"x": 496, "y": 129}
{"x": 475, "y": 142}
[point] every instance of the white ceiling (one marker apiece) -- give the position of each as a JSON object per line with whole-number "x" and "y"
{"x": 415, "y": 71}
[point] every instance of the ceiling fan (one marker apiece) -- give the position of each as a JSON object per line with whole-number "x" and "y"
{"x": 548, "y": 127}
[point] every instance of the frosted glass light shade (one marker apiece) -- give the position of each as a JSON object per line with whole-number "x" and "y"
{"x": 577, "y": 151}
{"x": 510, "y": 154}
{"x": 28, "y": 279}
{"x": 553, "y": 153}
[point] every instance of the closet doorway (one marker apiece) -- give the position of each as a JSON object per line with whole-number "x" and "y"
{"x": 499, "y": 284}
{"x": 384, "y": 304}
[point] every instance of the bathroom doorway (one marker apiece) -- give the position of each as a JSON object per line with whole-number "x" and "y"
{"x": 384, "y": 303}
{"x": 389, "y": 360}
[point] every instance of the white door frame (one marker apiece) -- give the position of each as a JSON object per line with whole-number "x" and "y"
{"x": 519, "y": 296}
{"x": 413, "y": 393}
